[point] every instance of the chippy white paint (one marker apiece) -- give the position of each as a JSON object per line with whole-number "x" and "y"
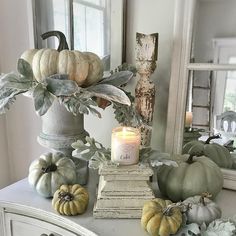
{"x": 122, "y": 191}
{"x": 146, "y": 57}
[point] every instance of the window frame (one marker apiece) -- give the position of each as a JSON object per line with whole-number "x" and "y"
{"x": 117, "y": 29}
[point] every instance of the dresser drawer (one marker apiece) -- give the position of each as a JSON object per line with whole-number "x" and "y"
{"x": 18, "y": 225}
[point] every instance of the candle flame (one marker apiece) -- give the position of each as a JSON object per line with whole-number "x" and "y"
{"x": 124, "y": 129}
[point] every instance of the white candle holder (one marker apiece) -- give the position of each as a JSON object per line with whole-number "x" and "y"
{"x": 125, "y": 143}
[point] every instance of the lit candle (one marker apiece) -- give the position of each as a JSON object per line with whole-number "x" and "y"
{"x": 125, "y": 144}
{"x": 188, "y": 119}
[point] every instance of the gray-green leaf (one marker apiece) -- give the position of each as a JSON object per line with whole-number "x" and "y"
{"x": 156, "y": 158}
{"x": 95, "y": 112}
{"x": 76, "y": 105}
{"x": 96, "y": 160}
{"x": 7, "y": 97}
{"x": 14, "y": 81}
{"x": 189, "y": 230}
{"x": 91, "y": 151}
{"x": 42, "y": 99}
{"x": 118, "y": 78}
{"x": 220, "y": 228}
{"x": 127, "y": 115}
{"x": 59, "y": 76}
{"x": 24, "y": 68}
{"x": 110, "y": 93}
{"x": 61, "y": 87}
{"x": 83, "y": 109}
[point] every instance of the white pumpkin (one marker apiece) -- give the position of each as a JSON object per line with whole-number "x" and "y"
{"x": 85, "y": 68}
{"x": 50, "y": 171}
{"x": 202, "y": 209}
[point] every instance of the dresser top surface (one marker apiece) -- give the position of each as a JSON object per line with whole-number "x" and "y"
{"x": 20, "y": 197}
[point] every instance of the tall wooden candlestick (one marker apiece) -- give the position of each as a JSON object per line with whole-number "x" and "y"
{"x": 146, "y": 57}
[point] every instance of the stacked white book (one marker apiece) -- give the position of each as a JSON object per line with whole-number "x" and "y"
{"x": 122, "y": 191}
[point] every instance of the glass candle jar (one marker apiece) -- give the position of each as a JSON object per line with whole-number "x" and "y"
{"x": 125, "y": 143}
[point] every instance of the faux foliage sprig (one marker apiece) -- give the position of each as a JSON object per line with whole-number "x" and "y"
{"x": 127, "y": 115}
{"x": 96, "y": 154}
{"x": 219, "y": 227}
{"x": 75, "y": 99}
{"x": 92, "y": 151}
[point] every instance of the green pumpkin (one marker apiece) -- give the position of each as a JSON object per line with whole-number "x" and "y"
{"x": 50, "y": 171}
{"x": 202, "y": 209}
{"x": 193, "y": 176}
{"x": 216, "y": 152}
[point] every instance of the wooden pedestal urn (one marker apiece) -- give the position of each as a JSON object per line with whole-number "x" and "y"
{"x": 60, "y": 129}
{"x": 122, "y": 191}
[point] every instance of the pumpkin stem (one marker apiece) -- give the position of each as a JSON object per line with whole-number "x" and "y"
{"x": 168, "y": 210}
{"x": 61, "y": 37}
{"x": 65, "y": 196}
{"x": 50, "y": 168}
{"x": 203, "y": 196}
{"x": 190, "y": 159}
{"x": 212, "y": 137}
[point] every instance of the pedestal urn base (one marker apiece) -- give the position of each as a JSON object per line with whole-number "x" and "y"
{"x": 60, "y": 129}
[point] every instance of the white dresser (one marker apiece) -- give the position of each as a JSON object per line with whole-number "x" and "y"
{"x": 25, "y": 213}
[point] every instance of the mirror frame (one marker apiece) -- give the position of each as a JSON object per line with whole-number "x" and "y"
{"x": 118, "y": 30}
{"x": 181, "y": 65}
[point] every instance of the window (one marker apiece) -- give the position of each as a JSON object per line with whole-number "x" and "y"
{"x": 91, "y": 26}
{"x": 85, "y": 23}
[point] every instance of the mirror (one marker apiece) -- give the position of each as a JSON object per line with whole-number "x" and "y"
{"x": 212, "y": 20}
{"x": 211, "y": 93}
{"x": 203, "y": 83}
{"x": 89, "y": 25}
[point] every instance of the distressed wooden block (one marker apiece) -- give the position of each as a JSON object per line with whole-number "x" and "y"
{"x": 129, "y": 188}
{"x": 122, "y": 191}
{"x": 120, "y": 213}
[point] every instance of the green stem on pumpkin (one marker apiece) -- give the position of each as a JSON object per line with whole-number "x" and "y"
{"x": 50, "y": 168}
{"x": 65, "y": 196}
{"x": 61, "y": 37}
{"x": 168, "y": 209}
{"x": 211, "y": 138}
{"x": 203, "y": 196}
{"x": 190, "y": 159}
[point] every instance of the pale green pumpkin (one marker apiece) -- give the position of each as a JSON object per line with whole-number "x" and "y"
{"x": 193, "y": 176}
{"x": 202, "y": 209}
{"x": 50, "y": 171}
{"x": 85, "y": 68}
{"x": 217, "y": 153}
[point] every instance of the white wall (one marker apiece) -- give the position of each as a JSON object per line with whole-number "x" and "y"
{"x": 23, "y": 125}
{"x": 4, "y": 167}
{"x": 216, "y": 19}
{"x": 4, "y": 158}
